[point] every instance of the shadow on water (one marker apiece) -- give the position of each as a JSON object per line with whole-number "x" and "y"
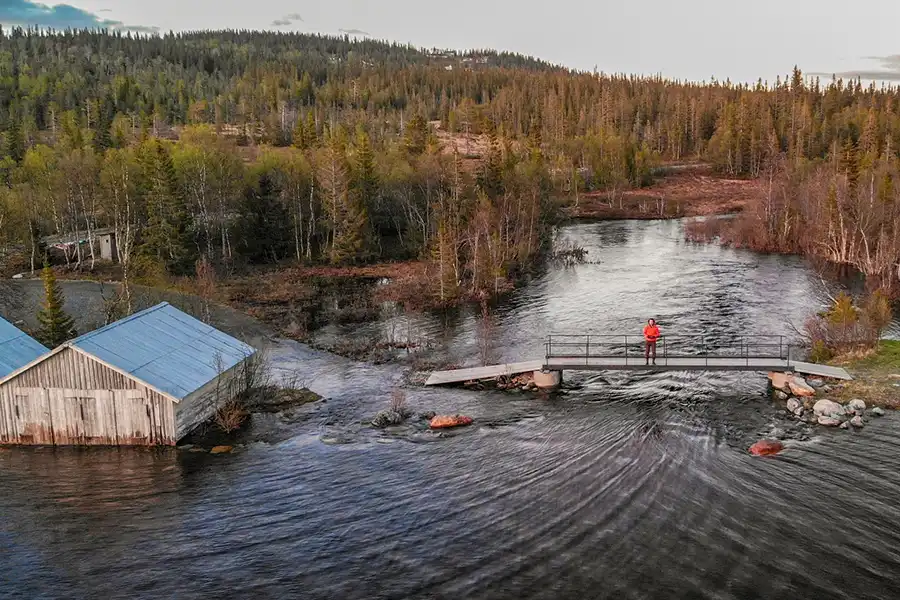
{"x": 624, "y": 485}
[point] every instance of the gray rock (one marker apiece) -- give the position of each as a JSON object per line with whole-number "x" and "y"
{"x": 845, "y": 425}
{"x": 857, "y": 406}
{"x": 427, "y": 416}
{"x": 816, "y": 383}
{"x": 799, "y": 412}
{"x": 878, "y": 411}
{"x": 793, "y": 404}
{"x": 857, "y": 421}
{"x": 827, "y": 421}
{"x": 827, "y": 408}
{"x": 779, "y": 395}
{"x": 827, "y": 388}
{"x": 386, "y": 418}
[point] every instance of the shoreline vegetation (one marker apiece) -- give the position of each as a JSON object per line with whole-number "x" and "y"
{"x": 283, "y": 173}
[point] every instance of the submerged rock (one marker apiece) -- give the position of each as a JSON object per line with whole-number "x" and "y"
{"x": 766, "y": 448}
{"x": 857, "y": 421}
{"x": 827, "y": 408}
{"x": 221, "y": 450}
{"x": 878, "y": 411}
{"x": 857, "y": 406}
{"x": 427, "y": 416}
{"x": 447, "y": 421}
{"x": 389, "y": 417}
{"x": 827, "y": 421}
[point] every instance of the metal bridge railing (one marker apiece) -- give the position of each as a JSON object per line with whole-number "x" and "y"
{"x": 745, "y": 347}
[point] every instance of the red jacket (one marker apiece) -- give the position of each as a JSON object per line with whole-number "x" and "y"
{"x": 651, "y": 333}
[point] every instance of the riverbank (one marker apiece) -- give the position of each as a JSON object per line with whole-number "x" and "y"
{"x": 687, "y": 192}
{"x": 876, "y": 376}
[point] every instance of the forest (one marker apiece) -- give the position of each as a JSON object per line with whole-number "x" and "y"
{"x": 232, "y": 149}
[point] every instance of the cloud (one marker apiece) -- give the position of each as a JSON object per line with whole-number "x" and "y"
{"x": 281, "y": 22}
{"x": 354, "y": 32}
{"x": 889, "y": 71}
{"x": 61, "y": 16}
{"x": 293, "y": 17}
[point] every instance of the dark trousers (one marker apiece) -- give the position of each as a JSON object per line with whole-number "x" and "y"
{"x": 650, "y": 349}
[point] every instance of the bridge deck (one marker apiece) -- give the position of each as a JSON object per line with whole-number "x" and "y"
{"x": 637, "y": 364}
{"x": 476, "y": 373}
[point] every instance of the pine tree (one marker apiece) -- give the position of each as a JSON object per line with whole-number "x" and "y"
{"x": 416, "y": 135}
{"x": 265, "y": 223}
{"x": 166, "y": 236}
{"x": 57, "y": 326}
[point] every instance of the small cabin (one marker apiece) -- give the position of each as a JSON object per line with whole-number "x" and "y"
{"x": 146, "y": 380}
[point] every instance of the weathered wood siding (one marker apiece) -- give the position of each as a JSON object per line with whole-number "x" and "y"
{"x": 72, "y": 399}
{"x": 199, "y": 407}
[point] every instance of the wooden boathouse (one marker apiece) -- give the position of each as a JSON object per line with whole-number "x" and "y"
{"x": 148, "y": 379}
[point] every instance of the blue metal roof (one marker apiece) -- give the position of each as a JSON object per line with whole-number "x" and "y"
{"x": 17, "y": 349}
{"x": 165, "y": 348}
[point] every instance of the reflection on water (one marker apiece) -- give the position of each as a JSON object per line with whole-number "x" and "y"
{"x": 626, "y": 486}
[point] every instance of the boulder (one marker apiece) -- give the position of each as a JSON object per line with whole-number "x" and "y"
{"x": 779, "y": 395}
{"x": 766, "y": 448}
{"x": 878, "y": 411}
{"x": 447, "y": 421}
{"x": 799, "y": 387}
{"x": 780, "y": 380}
{"x": 793, "y": 405}
{"x": 845, "y": 425}
{"x": 387, "y": 418}
{"x": 827, "y": 408}
{"x": 858, "y": 407}
{"x": 799, "y": 412}
{"x": 816, "y": 383}
{"x": 857, "y": 421}
{"x": 827, "y": 421}
{"x": 221, "y": 450}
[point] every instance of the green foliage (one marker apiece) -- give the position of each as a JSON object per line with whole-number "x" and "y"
{"x": 820, "y": 352}
{"x": 56, "y": 326}
{"x": 263, "y": 231}
{"x": 167, "y": 235}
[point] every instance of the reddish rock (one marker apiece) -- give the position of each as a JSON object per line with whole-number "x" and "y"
{"x": 780, "y": 380}
{"x": 446, "y": 421}
{"x": 801, "y": 388}
{"x": 766, "y": 448}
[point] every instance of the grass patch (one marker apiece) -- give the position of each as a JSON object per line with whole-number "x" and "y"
{"x": 876, "y": 376}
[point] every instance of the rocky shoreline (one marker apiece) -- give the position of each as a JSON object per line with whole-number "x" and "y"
{"x": 800, "y": 400}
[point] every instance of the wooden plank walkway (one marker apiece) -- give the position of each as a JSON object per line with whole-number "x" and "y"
{"x": 700, "y": 363}
{"x": 821, "y": 370}
{"x": 475, "y": 373}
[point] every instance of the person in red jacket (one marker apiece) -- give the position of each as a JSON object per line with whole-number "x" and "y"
{"x": 651, "y": 336}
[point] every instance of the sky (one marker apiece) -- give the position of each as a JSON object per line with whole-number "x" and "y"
{"x": 686, "y": 39}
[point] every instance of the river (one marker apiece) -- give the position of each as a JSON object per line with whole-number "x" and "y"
{"x": 624, "y": 486}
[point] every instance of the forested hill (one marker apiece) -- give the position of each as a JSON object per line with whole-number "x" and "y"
{"x": 265, "y": 147}
{"x": 168, "y": 74}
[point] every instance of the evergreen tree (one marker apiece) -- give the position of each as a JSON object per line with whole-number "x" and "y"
{"x": 56, "y": 326}
{"x": 416, "y": 135}
{"x": 166, "y": 236}
{"x": 264, "y": 228}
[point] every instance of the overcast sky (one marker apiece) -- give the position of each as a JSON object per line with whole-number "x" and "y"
{"x": 686, "y": 39}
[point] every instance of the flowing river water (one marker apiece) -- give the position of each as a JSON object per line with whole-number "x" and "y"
{"x": 626, "y": 485}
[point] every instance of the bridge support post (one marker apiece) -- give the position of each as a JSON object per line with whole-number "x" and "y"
{"x": 547, "y": 380}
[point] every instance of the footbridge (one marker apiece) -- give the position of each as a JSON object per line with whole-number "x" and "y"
{"x": 589, "y": 352}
